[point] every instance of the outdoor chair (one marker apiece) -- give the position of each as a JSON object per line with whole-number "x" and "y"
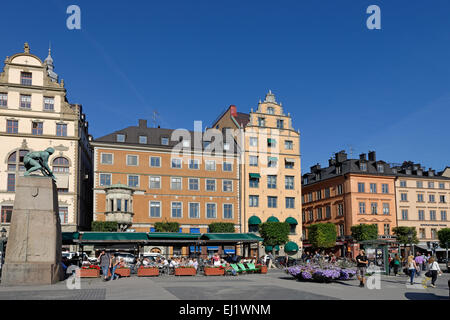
{"x": 242, "y": 267}
{"x": 252, "y": 267}
{"x": 236, "y": 268}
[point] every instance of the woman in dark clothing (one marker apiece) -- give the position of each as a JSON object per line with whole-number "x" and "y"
{"x": 396, "y": 264}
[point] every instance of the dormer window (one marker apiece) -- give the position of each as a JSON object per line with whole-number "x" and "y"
{"x": 408, "y": 171}
{"x": 186, "y": 143}
{"x": 380, "y": 168}
{"x": 120, "y": 138}
{"x": 165, "y": 141}
{"x": 363, "y": 166}
{"x": 338, "y": 170}
{"x": 270, "y": 110}
{"x": 280, "y": 123}
{"x": 261, "y": 122}
{"x": 25, "y": 78}
{"x": 305, "y": 180}
{"x": 142, "y": 139}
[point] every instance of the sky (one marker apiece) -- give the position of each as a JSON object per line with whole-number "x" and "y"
{"x": 345, "y": 86}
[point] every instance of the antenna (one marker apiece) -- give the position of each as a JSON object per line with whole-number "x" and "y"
{"x": 155, "y": 117}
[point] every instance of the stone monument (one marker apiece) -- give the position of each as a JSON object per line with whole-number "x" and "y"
{"x": 33, "y": 253}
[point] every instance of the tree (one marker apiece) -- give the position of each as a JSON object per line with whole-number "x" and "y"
{"x": 167, "y": 226}
{"x": 322, "y": 235}
{"x": 444, "y": 239}
{"x": 104, "y": 226}
{"x": 274, "y": 233}
{"x": 363, "y": 232}
{"x": 221, "y": 227}
{"x": 406, "y": 235}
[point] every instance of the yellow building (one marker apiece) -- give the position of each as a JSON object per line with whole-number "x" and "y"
{"x": 270, "y": 188}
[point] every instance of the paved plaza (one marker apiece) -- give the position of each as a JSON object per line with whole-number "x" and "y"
{"x": 276, "y": 285}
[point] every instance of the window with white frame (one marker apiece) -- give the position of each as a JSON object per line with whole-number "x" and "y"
{"x": 211, "y": 211}
{"x": 289, "y": 182}
{"x": 227, "y": 211}
{"x": 254, "y": 201}
{"x": 253, "y": 160}
{"x": 421, "y": 215}
{"x": 133, "y": 181}
{"x": 3, "y": 99}
{"x": 404, "y": 214}
{"x": 194, "y": 210}
{"x": 132, "y": 160}
{"x": 177, "y": 209}
{"x": 155, "y": 209}
{"x": 143, "y": 139}
{"x": 105, "y": 179}
{"x": 25, "y": 101}
{"x": 403, "y": 197}
{"x": 227, "y": 166}
{"x": 288, "y": 144}
{"x": 155, "y": 182}
{"x": 120, "y": 137}
{"x": 49, "y": 103}
{"x": 227, "y": 185}
{"x": 106, "y": 158}
{"x": 385, "y": 208}
{"x": 210, "y": 185}
{"x": 253, "y": 141}
{"x": 165, "y": 141}
{"x": 175, "y": 183}
{"x": 362, "y": 207}
{"x": 194, "y": 164}
{"x": 210, "y": 165}
{"x": 194, "y": 184}
{"x": 176, "y": 163}
{"x": 290, "y": 203}
{"x": 155, "y": 162}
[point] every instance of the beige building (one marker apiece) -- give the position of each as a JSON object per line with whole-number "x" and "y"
{"x": 270, "y": 166}
{"x": 422, "y": 198}
{"x": 35, "y": 115}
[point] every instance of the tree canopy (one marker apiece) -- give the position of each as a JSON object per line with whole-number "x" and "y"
{"x": 363, "y": 232}
{"x": 444, "y": 237}
{"x": 274, "y": 233}
{"x": 167, "y": 226}
{"x": 322, "y": 235}
{"x": 221, "y": 227}
{"x": 104, "y": 226}
{"x": 403, "y": 233}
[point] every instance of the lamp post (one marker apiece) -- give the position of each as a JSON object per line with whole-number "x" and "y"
{"x": 2, "y": 246}
{"x": 410, "y": 236}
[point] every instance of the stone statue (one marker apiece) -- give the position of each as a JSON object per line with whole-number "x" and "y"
{"x": 38, "y": 160}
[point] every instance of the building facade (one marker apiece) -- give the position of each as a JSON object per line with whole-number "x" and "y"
{"x": 422, "y": 198}
{"x": 146, "y": 175}
{"x": 35, "y": 115}
{"x": 350, "y": 192}
{"x": 269, "y": 164}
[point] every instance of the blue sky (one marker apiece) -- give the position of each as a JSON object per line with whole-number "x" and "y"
{"x": 345, "y": 86}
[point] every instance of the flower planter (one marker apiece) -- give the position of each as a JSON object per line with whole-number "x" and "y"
{"x": 185, "y": 271}
{"x": 148, "y": 272}
{"x": 89, "y": 273}
{"x": 123, "y": 272}
{"x": 214, "y": 271}
{"x": 263, "y": 269}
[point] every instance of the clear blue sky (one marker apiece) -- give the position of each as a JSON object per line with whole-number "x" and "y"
{"x": 345, "y": 86}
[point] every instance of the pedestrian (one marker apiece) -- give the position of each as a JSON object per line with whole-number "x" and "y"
{"x": 419, "y": 262}
{"x": 433, "y": 271}
{"x": 115, "y": 263}
{"x": 105, "y": 263}
{"x": 424, "y": 263}
{"x": 412, "y": 268}
{"x": 396, "y": 264}
{"x": 362, "y": 263}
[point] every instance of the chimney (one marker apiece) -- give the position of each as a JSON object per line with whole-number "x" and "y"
{"x": 372, "y": 156}
{"x": 362, "y": 156}
{"x": 315, "y": 168}
{"x": 233, "y": 110}
{"x": 142, "y": 123}
{"x": 331, "y": 162}
{"x": 341, "y": 156}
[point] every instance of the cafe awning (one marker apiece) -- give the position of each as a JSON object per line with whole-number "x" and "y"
{"x": 231, "y": 237}
{"x": 269, "y": 248}
{"x": 291, "y": 220}
{"x": 273, "y": 219}
{"x": 291, "y": 247}
{"x": 254, "y": 220}
{"x": 93, "y": 237}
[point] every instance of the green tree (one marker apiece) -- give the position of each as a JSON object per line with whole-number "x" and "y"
{"x": 406, "y": 235}
{"x": 444, "y": 239}
{"x": 363, "y": 232}
{"x": 274, "y": 233}
{"x": 221, "y": 227}
{"x": 167, "y": 226}
{"x": 104, "y": 226}
{"x": 322, "y": 235}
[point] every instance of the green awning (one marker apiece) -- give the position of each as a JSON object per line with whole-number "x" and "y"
{"x": 269, "y": 248}
{"x": 254, "y": 220}
{"x": 232, "y": 237}
{"x": 272, "y": 158}
{"x": 255, "y": 175}
{"x": 273, "y": 219}
{"x": 269, "y": 140}
{"x": 69, "y": 237}
{"x": 291, "y": 220}
{"x": 291, "y": 247}
{"x": 114, "y": 236}
{"x": 173, "y": 235}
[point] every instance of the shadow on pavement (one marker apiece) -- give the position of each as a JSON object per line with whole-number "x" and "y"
{"x": 424, "y": 296}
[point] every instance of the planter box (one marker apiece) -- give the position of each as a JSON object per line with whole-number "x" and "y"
{"x": 214, "y": 271}
{"x": 185, "y": 271}
{"x": 123, "y": 272}
{"x": 89, "y": 273}
{"x": 148, "y": 272}
{"x": 263, "y": 269}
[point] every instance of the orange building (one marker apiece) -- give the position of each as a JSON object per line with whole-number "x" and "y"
{"x": 350, "y": 192}
{"x": 147, "y": 175}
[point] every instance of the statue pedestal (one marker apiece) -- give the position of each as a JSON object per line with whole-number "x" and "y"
{"x": 33, "y": 251}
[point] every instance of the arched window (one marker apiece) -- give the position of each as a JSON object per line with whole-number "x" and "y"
{"x": 60, "y": 165}
{"x": 15, "y": 164}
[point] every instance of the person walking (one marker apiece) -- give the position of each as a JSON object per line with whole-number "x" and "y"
{"x": 412, "y": 268}
{"x": 114, "y": 265}
{"x": 396, "y": 264}
{"x": 105, "y": 263}
{"x": 361, "y": 263}
{"x": 419, "y": 262}
{"x": 433, "y": 271}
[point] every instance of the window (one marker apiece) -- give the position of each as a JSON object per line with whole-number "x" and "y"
{"x": 133, "y": 181}
{"x": 385, "y": 188}
{"x": 403, "y": 183}
{"x": 11, "y": 182}
{"x": 290, "y": 203}
{"x": 327, "y": 192}
{"x": 253, "y": 142}
{"x": 228, "y": 211}
{"x": 25, "y": 101}
{"x": 280, "y": 124}
{"x": 194, "y": 164}
{"x": 105, "y": 179}
{"x": 254, "y": 201}
{"x": 60, "y": 165}
{"x": 64, "y": 214}
{"x": 380, "y": 168}
{"x": 119, "y": 205}
{"x": 176, "y": 163}
{"x": 270, "y": 110}
{"x": 155, "y": 182}
{"x": 261, "y": 122}
{"x": 12, "y": 126}
{"x": 419, "y": 184}
{"x": 175, "y": 183}
{"x": 385, "y": 208}
{"x": 387, "y": 229}
{"x": 193, "y": 184}
{"x": 341, "y": 230}
{"x": 3, "y": 99}
{"x": 49, "y": 103}
{"x": 422, "y": 233}
{"x": 254, "y": 183}
{"x": 6, "y": 214}
{"x": 441, "y": 185}
{"x": 303, "y": 216}
{"x": 432, "y": 215}
{"x": 289, "y": 164}
{"x": 338, "y": 170}
{"x": 431, "y": 198}
{"x": 289, "y": 182}
{"x": 421, "y": 215}
{"x": 194, "y": 210}
{"x": 227, "y": 166}
{"x": 177, "y": 210}
{"x": 420, "y": 197}
{"x": 61, "y": 130}
{"x": 155, "y": 209}
{"x": 442, "y": 199}
{"x": 132, "y": 160}
{"x": 310, "y": 197}
{"x": 142, "y": 139}
{"x": 272, "y": 182}
{"x": 272, "y": 162}
{"x": 373, "y": 188}
{"x": 210, "y": 185}
{"x": 165, "y": 141}
{"x": 443, "y": 215}
{"x": 155, "y": 162}
{"x": 362, "y": 207}
{"x": 319, "y": 195}
{"x": 271, "y": 143}
{"x": 404, "y": 214}
{"x": 403, "y": 197}
{"x": 340, "y": 209}
{"x": 433, "y": 233}
{"x": 227, "y": 185}
{"x": 106, "y": 158}
{"x": 311, "y": 215}
{"x": 210, "y": 165}
{"x": 431, "y": 185}
{"x": 361, "y": 187}
{"x": 374, "y": 207}
{"x": 288, "y": 145}
{"x": 253, "y": 161}
{"x": 25, "y": 78}
{"x": 211, "y": 210}
{"x": 328, "y": 212}
{"x": 319, "y": 213}
{"x": 272, "y": 202}
{"x": 363, "y": 166}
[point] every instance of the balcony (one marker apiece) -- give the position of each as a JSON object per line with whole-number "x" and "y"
{"x": 123, "y": 219}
